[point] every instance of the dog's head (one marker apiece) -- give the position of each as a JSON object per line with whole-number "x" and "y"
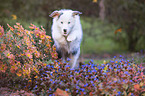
{"x": 65, "y": 20}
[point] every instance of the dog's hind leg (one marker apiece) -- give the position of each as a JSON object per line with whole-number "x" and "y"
{"x": 74, "y": 57}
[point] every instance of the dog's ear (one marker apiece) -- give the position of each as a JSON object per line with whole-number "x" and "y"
{"x": 76, "y": 13}
{"x": 54, "y": 14}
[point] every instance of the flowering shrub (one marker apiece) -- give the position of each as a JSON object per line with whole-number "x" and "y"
{"x": 23, "y": 51}
{"x": 26, "y": 54}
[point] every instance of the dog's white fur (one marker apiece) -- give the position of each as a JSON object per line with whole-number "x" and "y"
{"x": 67, "y": 34}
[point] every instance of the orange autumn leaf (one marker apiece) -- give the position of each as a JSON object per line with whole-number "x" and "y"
{"x": 3, "y": 68}
{"x": 13, "y": 69}
{"x": 32, "y": 26}
{"x": 82, "y": 93}
{"x": 14, "y": 17}
{"x": 137, "y": 86}
{"x": 44, "y": 64}
{"x": 118, "y": 30}
{"x": 60, "y": 92}
{"x": 3, "y": 47}
{"x": 1, "y": 31}
{"x": 141, "y": 84}
{"x": 91, "y": 94}
{"x": 19, "y": 73}
{"x": 95, "y": 1}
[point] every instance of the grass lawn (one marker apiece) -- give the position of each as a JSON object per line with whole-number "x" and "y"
{"x": 137, "y": 58}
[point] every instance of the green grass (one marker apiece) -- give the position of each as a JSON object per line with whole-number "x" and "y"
{"x": 98, "y": 62}
{"x": 134, "y": 58}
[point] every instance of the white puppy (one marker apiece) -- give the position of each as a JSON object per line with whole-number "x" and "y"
{"x": 67, "y": 34}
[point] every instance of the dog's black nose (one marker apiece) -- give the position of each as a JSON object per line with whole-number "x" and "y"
{"x": 65, "y": 30}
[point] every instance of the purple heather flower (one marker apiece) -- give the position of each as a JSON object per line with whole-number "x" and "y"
{"x": 77, "y": 87}
{"x": 67, "y": 66}
{"x": 131, "y": 81}
{"x": 132, "y": 94}
{"x": 50, "y": 89}
{"x": 87, "y": 76}
{"x": 55, "y": 60}
{"x": 71, "y": 75}
{"x": 41, "y": 69}
{"x": 68, "y": 59}
{"x": 89, "y": 71}
{"x": 52, "y": 66}
{"x": 85, "y": 93}
{"x": 94, "y": 70}
{"x": 51, "y": 80}
{"x": 126, "y": 72}
{"x": 125, "y": 65}
{"x": 93, "y": 84}
{"x": 105, "y": 74}
{"x": 82, "y": 89}
{"x": 51, "y": 74}
{"x": 96, "y": 79}
{"x": 92, "y": 60}
{"x": 91, "y": 81}
{"x": 129, "y": 68}
{"x": 110, "y": 67}
{"x": 86, "y": 85}
{"x": 35, "y": 86}
{"x": 51, "y": 95}
{"x": 119, "y": 92}
{"x": 48, "y": 66}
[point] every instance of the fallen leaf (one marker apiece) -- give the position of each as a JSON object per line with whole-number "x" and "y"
{"x": 118, "y": 30}
{"x": 60, "y": 92}
{"x": 137, "y": 86}
{"x": 14, "y": 17}
{"x": 91, "y": 94}
{"x": 95, "y": 1}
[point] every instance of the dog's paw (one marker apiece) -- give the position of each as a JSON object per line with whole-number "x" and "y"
{"x": 71, "y": 38}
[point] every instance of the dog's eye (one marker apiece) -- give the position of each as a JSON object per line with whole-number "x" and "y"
{"x": 61, "y": 22}
{"x": 68, "y": 22}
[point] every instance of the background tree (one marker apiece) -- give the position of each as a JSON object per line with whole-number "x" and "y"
{"x": 126, "y": 14}
{"x": 130, "y": 15}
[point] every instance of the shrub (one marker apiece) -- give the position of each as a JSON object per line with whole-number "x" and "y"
{"x": 23, "y": 51}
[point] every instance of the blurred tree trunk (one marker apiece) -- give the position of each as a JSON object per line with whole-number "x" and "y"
{"x": 133, "y": 37}
{"x": 102, "y": 10}
{"x": 130, "y": 16}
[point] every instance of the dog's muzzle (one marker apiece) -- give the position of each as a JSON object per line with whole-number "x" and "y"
{"x": 65, "y": 32}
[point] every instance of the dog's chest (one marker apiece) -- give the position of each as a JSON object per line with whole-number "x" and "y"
{"x": 66, "y": 45}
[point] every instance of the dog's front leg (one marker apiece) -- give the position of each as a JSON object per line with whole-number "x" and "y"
{"x": 71, "y": 38}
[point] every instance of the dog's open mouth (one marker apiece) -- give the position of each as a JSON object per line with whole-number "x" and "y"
{"x": 65, "y": 34}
